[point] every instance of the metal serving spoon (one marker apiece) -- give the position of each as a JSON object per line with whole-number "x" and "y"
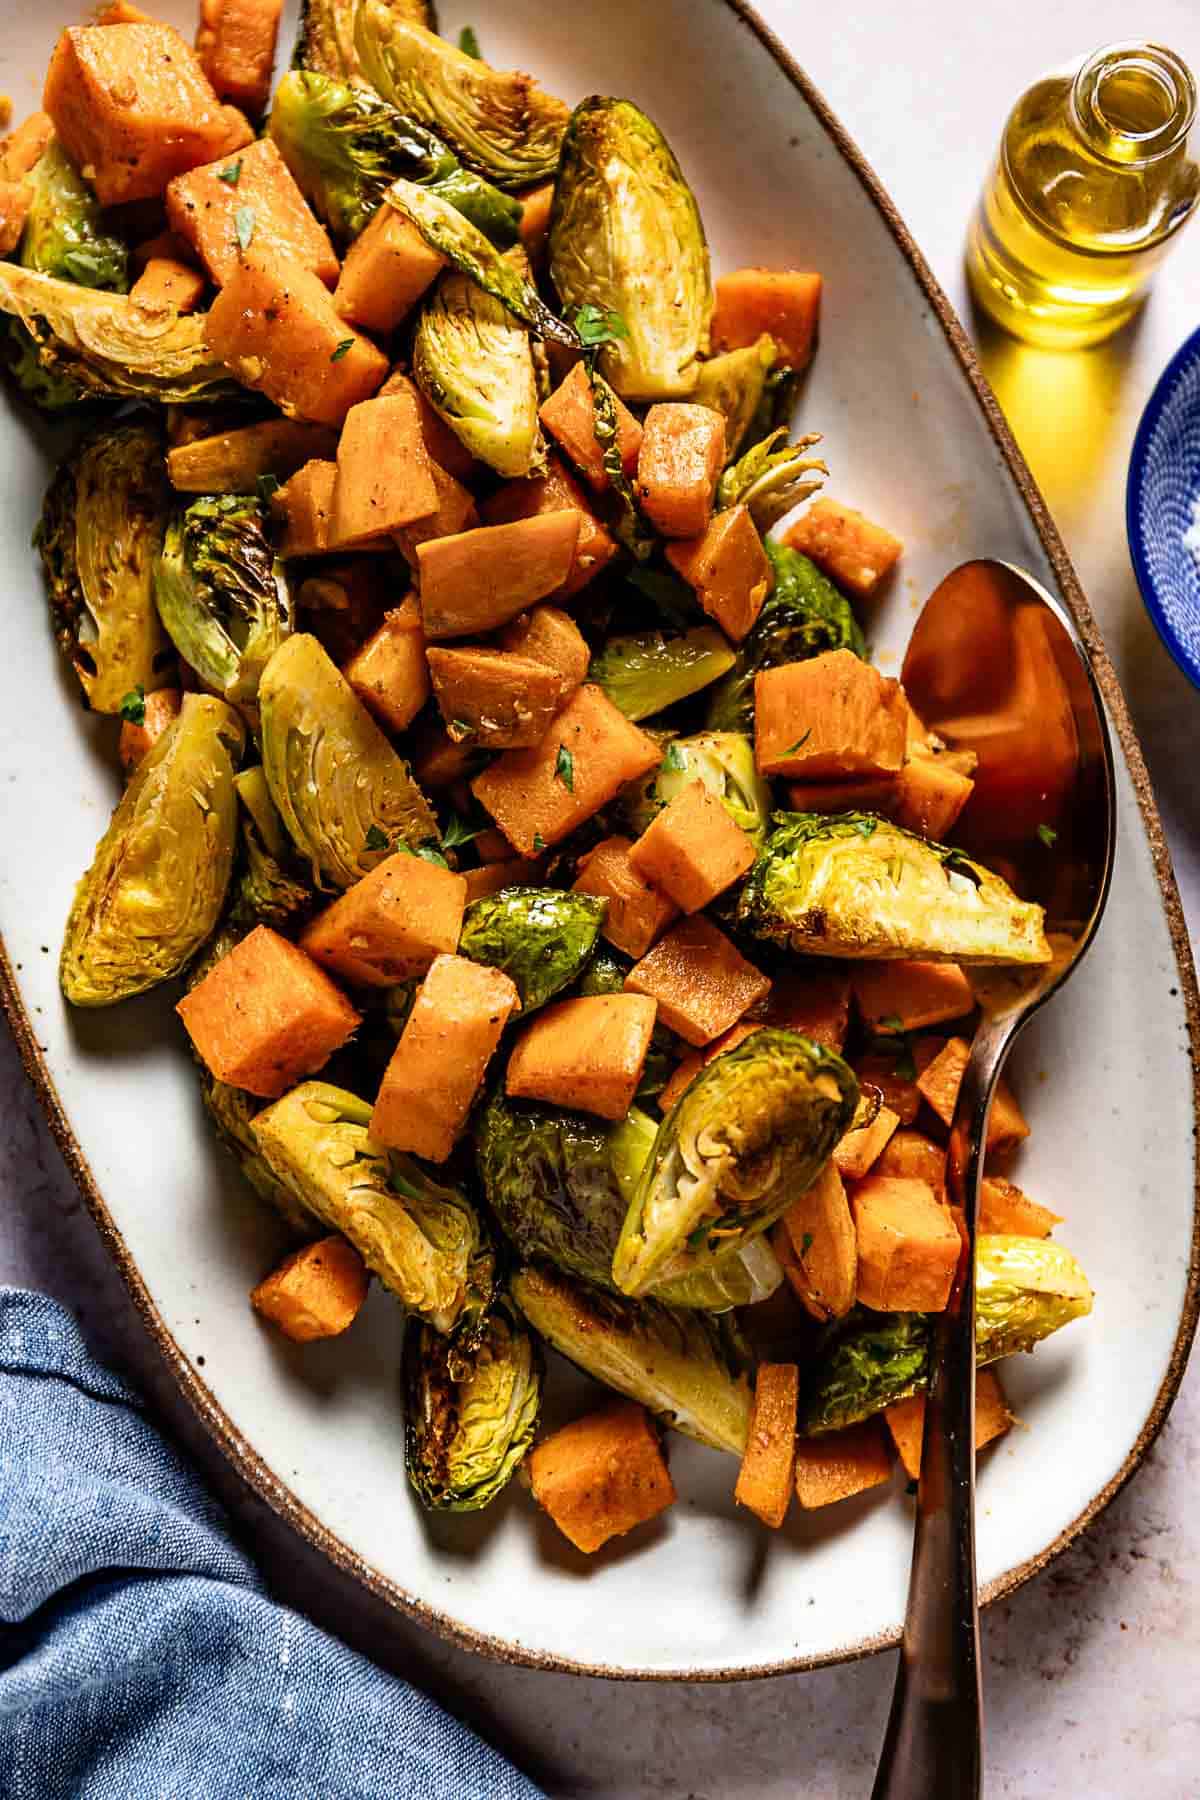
{"x": 995, "y": 665}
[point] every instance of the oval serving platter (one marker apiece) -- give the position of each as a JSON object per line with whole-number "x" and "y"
{"x": 914, "y": 438}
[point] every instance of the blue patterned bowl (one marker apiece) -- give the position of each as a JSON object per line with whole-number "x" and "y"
{"x": 1162, "y": 506}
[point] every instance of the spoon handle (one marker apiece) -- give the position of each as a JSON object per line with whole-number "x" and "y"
{"x": 933, "y": 1746}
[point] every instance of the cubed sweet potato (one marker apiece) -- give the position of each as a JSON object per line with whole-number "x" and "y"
{"x": 495, "y": 699}
{"x": 390, "y": 925}
{"x": 570, "y": 417}
{"x": 875, "y": 794}
{"x": 839, "y": 1464}
{"x": 728, "y": 570}
{"x": 845, "y": 546}
{"x": 911, "y": 1153}
{"x": 274, "y": 326}
{"x": 829, "y": 717}
{"x": 235, "y": 42}
{"x": 454, "y": 512}
{"x": 859, "y": 1150}
{"x": 893, "y": 1071}
{"x": 165, "y": 284}
{"x": 248, "y": 198}
{"x": 383, "y": 472}
{"x": 161, "y": 708}
{"x": 548, "y": 635}
{"x": 816, "y": 1004}
{"x": 602, "y": 1475}
{"x": 906, "y": 1420}
{"x": 1006, "y": 1211}
{"x": 475, "y": 580}
{"x": 817, "y": 1244}
{"x": 552, "y": 492}
{"x": 444, "y": 447}
{"x": 265, "y": 1015}
{"x": 428, "y": 1088}
{"x": 387, "y": 269}
{"x": 539, "y": 796}
{"x": 389, "y": 673}
{"x": 305, "y": 504}
{"x": 692, "y": 849}
{"x": 586, "y": 1053}
{"x": 20, "y": 154}
{"x": 492, "y": 878}
{"x": 230, "y": 462}
{"x": 929, "y": 796}
{"x": 906, "y": 996}
{"x": 317, "y": 1292}
{"x": 908, "y": 1245}
{"x": 941, "y": 1080}
{"x": 682, "y": 453}
{"x": 766, "y": 1476}
{"x": 438, "y": 762}
{"x": 492, "y": 846}
{"x": 535, "y": 219}
{"x": 785, "y": 303}
{"x": 702, "y": 984}
{"x": 637, "y": 911}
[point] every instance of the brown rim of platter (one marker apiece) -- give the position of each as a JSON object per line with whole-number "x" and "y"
{"x": 239, "y": 1452}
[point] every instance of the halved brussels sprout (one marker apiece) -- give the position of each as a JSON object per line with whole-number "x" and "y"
{"x": 687, "y": 1368}
{"x": 540, "y": 937}
{"x": 645, "y": 674}
{"x": 502, "y": 125}
{"x": 326, "y": 37}
{"x": 424, "y": 1241}
{"x": 724, "y": 762}
{"x": 158, "y": 880}
{"x": 852, "y": 884}
{"x": 469, "y": 1414}
{"x": 751, "y": 1132}
{"x": 733, "y": 384}
{"x": 101, "y": 526}
{"x": 64, "y": 232}
{"x": 232, "y": 1112}
{"x": 345, "y": 796}
{"x": 626, "y": 236}
{"x": 473, "y": 362}
{"x": 1025, "y": 1288}
{"x": 772, "y": 477}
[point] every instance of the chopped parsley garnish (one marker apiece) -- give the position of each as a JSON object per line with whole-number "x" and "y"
{"x": 564, "y": 768}
{"x": 458, "y": 832}
{"x": 806, "y": 1244}
{"x": 133, "y": 706}
{"x": 343, "y": 349}
{"x": 539, "y": 842}
{"x": 375, "y": 839}
{"x": 864, "y": 825}
{"x": 431, "y": 854}
{"x": 232, "y": 175}
{"x": 674, "y": 758}
{"x": 598, "y": 325}
{"x": 266, "y": 485}
{"x": 1048, "y": 836}
{"x": 697, "y": 1239}
{"x": 468, "y": 43}
{"x": 243, "y": 224}
{"x": 799, "y": 743}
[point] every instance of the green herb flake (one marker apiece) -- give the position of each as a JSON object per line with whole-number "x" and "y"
{"x": 1048, "y": 835}
{"x": 458, "y": 832}
{"x": 806, "y": 1244}
{"x": 403, "y": 1187}
{"x": 674, "y": 759}
{"x": 266, "y": 485}
{"x": 539, "y": 842}
{"x": 892, "y": 1022}
{"x": 431, "y": 854}
{"x": 564, "y": 768}
{"x": 697, "y": 1239}
{"x": 375, "y": 839}
{"x": 865, "y": 825}
{"x": 598, "y": 325}
{"x": 243, "y": 224}
{"x": 343, "y": 349}
{"x": 468, "y": 43}
{"x": 133, "y": 706}
{"x": 799, "y": 743}
{"x": 231, "y": 175}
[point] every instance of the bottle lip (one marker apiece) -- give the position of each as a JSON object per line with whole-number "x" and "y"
{"x": 1112, "y": 141}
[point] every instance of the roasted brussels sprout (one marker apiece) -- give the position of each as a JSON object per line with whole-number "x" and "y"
{"x": 687, "y": 1368}
{"x": 1025, "y": 1288}
{"x": 345, "y": 796}
{"x": 232, "y": 1110}
{"x": 851, "y": 884}
{"x": 158, "y": 880}
{"x": 645, "y": 674}
{"x": 626, "y": 236}
{"x": 749, "y": 1134}
{"x": 733, "y": 384}
{"x": 724, "y": 762}
{"x": 345, "y": 146}
{"x": 502, "y": 125}
{"x": 101, "y": 526}
{"x": 326, "y": 38}
{"x": 424, "y": 1241}
{"x": 540, "y": 937}
{"x": 222, "y": 594}
{"x": 473, "y": 362}
{"x": 469, "y": 1415}
{"x": 802, "y": 616}
{"x": 771, "y": 477}
{"x": 64, "y": 234}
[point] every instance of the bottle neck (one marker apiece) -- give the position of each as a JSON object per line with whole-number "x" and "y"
{"x": 1133, "y": 103}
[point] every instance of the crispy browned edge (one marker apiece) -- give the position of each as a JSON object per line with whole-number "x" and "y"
{"x": 245, "y": 1459}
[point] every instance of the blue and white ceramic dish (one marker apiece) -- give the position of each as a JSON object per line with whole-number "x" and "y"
{"x": 1163, "y": 507}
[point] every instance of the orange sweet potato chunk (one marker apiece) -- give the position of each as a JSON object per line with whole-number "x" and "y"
{"x": 548, "y": 635}
{"x": 491, "y": 697}
{"x": 765, "y": 1479}
{"x": 389, "y": 673}
{"x": 585, "y": 1053}
{"x": 235, "y": 42}
{"x": 602, "y": 1475}
{"x": 839, "y": 1464}
{"x": 816, "y": 1004}
{"x": 682, "y": 453}
{"x": 20, "y": 153}
{"x": 845, "y": 546}
{"x": 908, "y": 1245}
{"x": 830, "y": 717}
{"x": 702, "y": 984}
{"x": 638, "y": 912}
{"x": 214, "y": 214}
{"x": 390, "y": 925}
{"x": 305, "y": 504}
{"x": 161, "y": 709}
{"x": 906, "y": 1420}
{"x": 454, "y": 512}
{"x": 444, "y": 448}
{"x": 517, "y": 871}
{"x": 387, "y": 269}
{"x": 877, "y": 795}
{"x": 570, "y": 417}
{"x": 384, "y": 479}
{"x": 428, "y": 1088}
{"x": 552, "y": 492}
{"x": 930, "y": 796}
{"x": 939, "y": 1084}
{"x": 858, "y": 1151}
{"x": 1005, "y": 1210}
{"x": 266, "y": 1015}
{"x": 535, "y": 219}
{"x": 728, "y": 570}
{"x": 692, "y": 849}
{"x": 911, "y": 1153}
{"x": 786, "y": 303}
{"x": 165, "y": 283}
{"x": 910, "y": 995}
{"x": 476, "y": 580}
{"x": 317, "y": 1292}
{"x": 816, "y": 1242}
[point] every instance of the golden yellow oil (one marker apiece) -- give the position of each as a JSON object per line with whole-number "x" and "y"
{"x": 1091, "y": 183}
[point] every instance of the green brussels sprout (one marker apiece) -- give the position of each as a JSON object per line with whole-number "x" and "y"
{"x": 643, "y": 675}
{"x": 502, "y": 125}
{"x": 160, "y": 873}
{"x": 770, "y": 478}
{"x": 232, "y": 1111}
{"x": 540, "y": 937}
{"x": 749, "y": 1134}
{"x": 325, "y": 41}
{"x": 345, "y": 146}
{"x": 474, "y": 364}
{"x": 424, "y": 1241}
{"x": 344, "y": 794}
{"x": 626, "y": 236}
{"x": 733, "y": 384}
{"x": 470, "y": 1416}
{"x": 689, "y": 1369}
{"x": 1025, "y": 1288}
{"x": 851, "y": 884}
{"x": 724, "y": 762}
{"x": 101, "y": 526}
{"x": 222, "y": 594}
{"x": 802, "y": 616}
{"x": 64, "y": 234}
{"x": 35, "y": 371}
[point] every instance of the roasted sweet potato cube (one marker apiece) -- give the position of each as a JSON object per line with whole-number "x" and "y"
{"x": 477, "y": 580}
{"x": 161, "y": 709}
{"x": 848, "y": 548}
{"x": 875, "y": 794}
{"x": 444, "y": 447}
{"x": 265, "y": 1015}
{"x": 906, "y": 996}
{"x": 317, "y": 1292}
{"x": 166, "y": 284}
{"x": 551, "y": 492}
{"x": 389, "y": 674}
{"x": 941, "y": 1080}
{"x": 600, "y": 1476}
{"x": 535, "y": 219}
{"x": 586, "y": 1053}
{"x": 428, "y": 1088}
{"x": 390, "y": 925}
{"x": 816, "y": 1004}
{"x": 929, "y": 796}
{"x": 570, "y": 417}
{"x": 839, "y": 1464}
{"x": 384, "y": 479}
{"x": 548, "y": 635}
{"x": 518, "y": 871}
{"x": 817, "y": 1245}
{"x": 248, "y": 198}
{"x": 683, "y": 450}
{"x": 911, "y": 1153}
{"x": 438, "y": 762}
{"x": 496, "y": 700}
{"x": 305, "y": 504}
{"x": 765, "y": 1479}
{"x": 906, "y": 1420}
{"x": 638, "y": 912}
{"x": 1005, "y": 1210}
{"x": 908, "y": 1245}
{"x": 387, "y": 269}
{"x": 454, "y": 512}
{"x": 728, "y": 570}
{"x": 692, "y": 849}
{"x": 895, "y": 1068}
{"x": 858, "y": 1152}
{"x": 235, "y": 42}
{"x": 783, "y": 302}
{"x": 20, "y": 153}
{"x": 702, "y": 984}
{"x": 230, "y": 462}
{"x": 829, "y": 717}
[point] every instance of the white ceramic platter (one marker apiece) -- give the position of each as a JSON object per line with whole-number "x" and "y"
{"x": 1104, "y": 1073}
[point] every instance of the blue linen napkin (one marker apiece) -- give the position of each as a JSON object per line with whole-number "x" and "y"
{"x": 140, "y": 1656}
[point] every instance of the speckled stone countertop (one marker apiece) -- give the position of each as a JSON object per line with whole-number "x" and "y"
{"x": 1092, "y": 1670}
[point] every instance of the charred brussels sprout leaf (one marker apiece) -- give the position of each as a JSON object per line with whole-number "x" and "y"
{"x": 855, "y": 885}
{"x": 101, "y": 527}
{"x": 469, "y": 1415}
{"x": 473, "y": 362}
{"x": 158, "y": 880}
{"x": 626, "y": 237}
{"x": 771, "y": 477}
{"x": 64, "y": 234}
{"x": 645, "y": 674}
{"x": 326, "y": 37}
{"x": 502, "y": 125}
{"x": 540, "y": 937}
{"x": 724, "y": 762}
{"x": 733, "y": 384}
{"x": 231, "y": 1111}
{"x": 745, "y": 1139}
{"x": 338, "y": 784}
{"x": 424, "y": 1241}
{"x": 688, "y": 1369}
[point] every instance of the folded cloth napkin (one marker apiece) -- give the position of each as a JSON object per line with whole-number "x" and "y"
{"x": 140, "y": 1656}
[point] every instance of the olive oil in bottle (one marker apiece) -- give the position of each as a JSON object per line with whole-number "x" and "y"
{"x": 1092, "y": 181}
